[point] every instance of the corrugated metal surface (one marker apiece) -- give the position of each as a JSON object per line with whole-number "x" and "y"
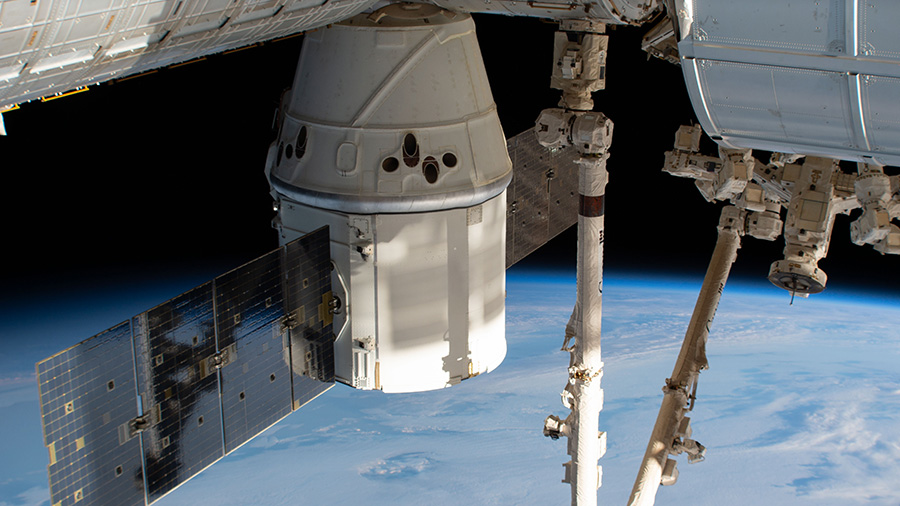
{"x": 52, "y": 46}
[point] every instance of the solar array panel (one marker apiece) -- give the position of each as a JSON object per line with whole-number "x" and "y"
{"x": 250, "y": 306}
{"x": 312, "y": 338}
{"x": 542, "y": 199}
{"x": 137, "y": 410}
{"x": 172, "y": 340}
{"x": 87, "y": 395}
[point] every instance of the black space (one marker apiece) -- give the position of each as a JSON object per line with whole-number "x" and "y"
{"x": 163, "y": 174}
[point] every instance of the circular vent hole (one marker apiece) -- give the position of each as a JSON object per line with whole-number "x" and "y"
{"x": 449, "y": 160}
{"x": 289, "y": 151}
{"x": 390, "y": 164}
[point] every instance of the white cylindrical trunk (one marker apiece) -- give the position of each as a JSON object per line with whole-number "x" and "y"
{"x": 592, "y": 187}
{"x": 587, "y": 364}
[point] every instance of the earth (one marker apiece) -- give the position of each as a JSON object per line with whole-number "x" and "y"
{"x": 801, "y": 405}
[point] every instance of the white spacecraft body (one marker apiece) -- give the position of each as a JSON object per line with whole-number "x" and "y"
{"x": 391, "y": 137}
{"x": 816, "y": 78}
{"x": 50, "y": 47}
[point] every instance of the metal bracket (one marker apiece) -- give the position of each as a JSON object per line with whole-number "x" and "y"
{"x": 218, "y": 360}
{"x": 290, "y": 321}
{"x": 585, "y": 375}
{"x": 139, "y": 424}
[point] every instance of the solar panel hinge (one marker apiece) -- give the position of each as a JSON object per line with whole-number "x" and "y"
{"x": 133, "y": 427}
{"x": 218, "y": 360}
{"x": 139, "y": 424}
{"x": 290, "y": 321}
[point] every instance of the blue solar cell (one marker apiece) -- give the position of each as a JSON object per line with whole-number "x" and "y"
{"x": 256, "y": 387}
{"x": 88, "y": 398}
{"x": 172, "y": 342}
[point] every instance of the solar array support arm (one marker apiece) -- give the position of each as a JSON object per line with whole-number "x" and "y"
{"x": 672, "y": 431}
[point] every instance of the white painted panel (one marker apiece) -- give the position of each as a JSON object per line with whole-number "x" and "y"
{"x": 806, "y": 26}
{"x": 62, "y": 60}
{"x": 881, "y": 109}
{"x": 762, "y": 101}
{"x": 487, "y": 281}
{"x": 12, "y": 41}
{"x": 196, "y": 7}
{"x": 761, "y": 76}
{"x": 441, "y": 295}
{"x": 83, "y": 28}
{"x": 87, "y": 7}
{"x": 150, "y": 14}
{"x": 67, "y": 9}
{"x": 413, "y": 316}
{"x": 878, "y": 21}
{"x": 16, "y": 14}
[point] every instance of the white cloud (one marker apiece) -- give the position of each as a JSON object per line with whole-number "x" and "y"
{"x": 34, "y": 496}
{"x": 398, "y": 466}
